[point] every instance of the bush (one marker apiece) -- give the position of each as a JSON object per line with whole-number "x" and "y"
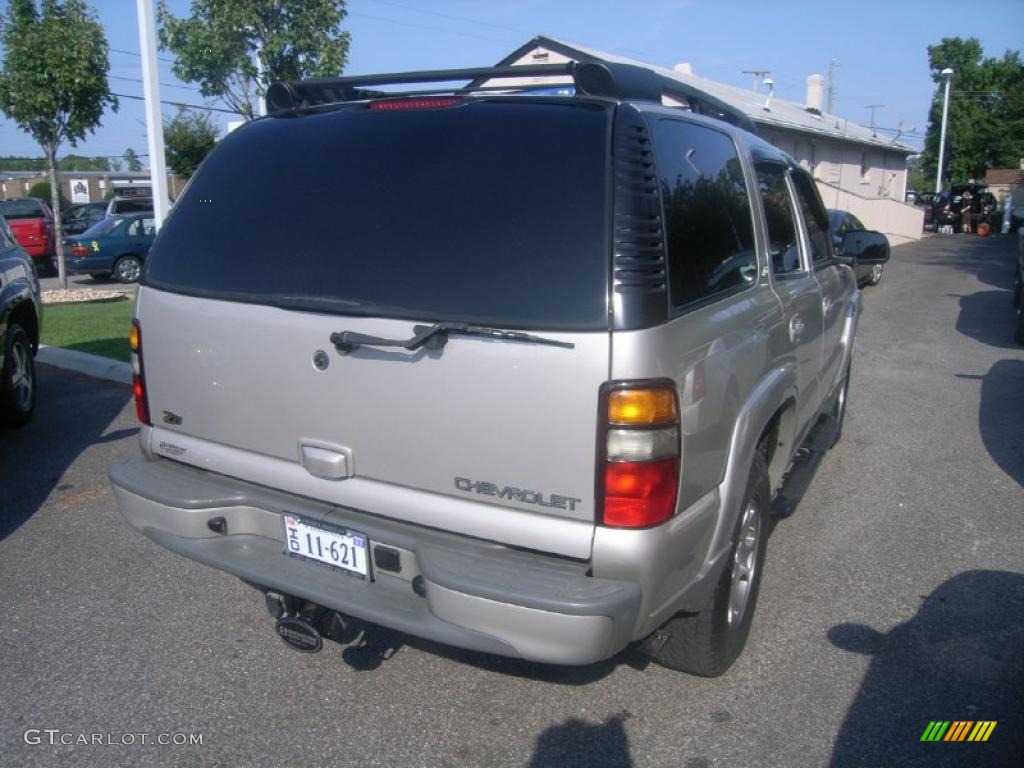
{"x": 41, "y": 189}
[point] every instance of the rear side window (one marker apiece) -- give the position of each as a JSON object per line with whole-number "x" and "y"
{"x": 783, "y": 247}
{"x": 814, "y": 216}
{"x": 708, "y": 225}
{"x": 490, "y": 212}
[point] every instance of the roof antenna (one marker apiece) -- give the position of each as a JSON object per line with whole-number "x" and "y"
{"x": 771, "y": 92}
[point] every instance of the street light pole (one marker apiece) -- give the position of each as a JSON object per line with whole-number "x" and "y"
{"x": 154, "y": 118}
{"x": 948, "y": 74}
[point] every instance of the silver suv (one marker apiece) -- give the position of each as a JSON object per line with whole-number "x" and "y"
{"x": 519, "y": 372}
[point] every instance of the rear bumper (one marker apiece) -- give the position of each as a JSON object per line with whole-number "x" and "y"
{"x": 477, "y": 595}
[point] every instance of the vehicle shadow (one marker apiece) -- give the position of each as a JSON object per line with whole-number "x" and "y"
{"x": 958, "y": 658}
{"x": 1001, "y": 415}
{"x": 578, "y": 743}
{"x": 72, "y": 413}
{"x": 989, "y": 259}
{"x": 988, "y": 317}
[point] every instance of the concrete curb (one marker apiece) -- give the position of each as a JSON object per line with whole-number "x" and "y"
{"x": 82, "y": 362}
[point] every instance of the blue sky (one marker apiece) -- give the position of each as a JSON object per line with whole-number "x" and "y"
{"x": 880, "y": 47}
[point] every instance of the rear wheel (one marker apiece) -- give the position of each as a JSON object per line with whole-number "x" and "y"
{"x": 707, "y": 643}
{"x": 127, "y": 269}
{"x": 18, "y": 385}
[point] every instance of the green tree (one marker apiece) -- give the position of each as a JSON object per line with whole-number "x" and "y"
{"x": 131, "y": 160}
{"x": 113, "y": 164}
{"x": 234, "y": 49}
{"x": 188, "y": 138}
{"x": 41, "y": 189}
{"x": 53, "y": 83}
{"x": 986, "y": 111}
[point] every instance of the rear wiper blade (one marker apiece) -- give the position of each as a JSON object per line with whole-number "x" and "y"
{"x": 436, "y": 336}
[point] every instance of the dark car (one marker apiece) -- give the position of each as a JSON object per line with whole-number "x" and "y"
{"x": 841, "y": 222}
{"x": 31, "y": 221}
{"x": 77, "y": 218}
{"x": 115, "y": 246}
{"x": 19, "y": 330}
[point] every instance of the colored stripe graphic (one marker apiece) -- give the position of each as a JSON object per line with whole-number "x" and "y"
{"x": 982, "y": 730}
{"x": 935, "y": 730}
{"x": 958, "y": 731}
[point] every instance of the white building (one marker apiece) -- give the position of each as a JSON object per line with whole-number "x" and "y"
{"x": 856, "y": 169}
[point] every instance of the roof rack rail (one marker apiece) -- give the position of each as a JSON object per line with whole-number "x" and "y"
{"x": 603, "y": 79}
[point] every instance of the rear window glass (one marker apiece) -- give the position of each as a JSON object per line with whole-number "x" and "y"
{"x": 494, "y": 213}
{"x": 20, "y": 209}
{"x": 103, "y": 227}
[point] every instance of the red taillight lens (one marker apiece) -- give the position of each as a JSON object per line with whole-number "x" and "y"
{"x": 640, "y": 494}
{"x": 79, "y": 250}
{"x": 433, "y": 102}
{"x": 139, "y": 375}
{"x": 640, "y": 438}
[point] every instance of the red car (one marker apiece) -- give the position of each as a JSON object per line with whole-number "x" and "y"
{"x": 31, "y": 220}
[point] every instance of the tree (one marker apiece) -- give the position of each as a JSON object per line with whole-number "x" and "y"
{"x": 188, "y": 138}
{"x": 234, "y": 49}
{"x": 113, "y": 164}
{"x": 54, "y": 80}
{"x": 41, "y": 189}
{"x": 986, "y": 111}
{"x": 131, "y": 160}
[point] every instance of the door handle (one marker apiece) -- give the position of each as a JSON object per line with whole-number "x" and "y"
{"x": 796, "y": 328}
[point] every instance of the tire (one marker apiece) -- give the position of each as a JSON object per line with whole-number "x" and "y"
{"x": 127, "y": 269}
{"x": 18, "y": 383}
{"x": 838, "y": 414}
{"x": 707, "y": 643}
{"x": 876, "y": 275}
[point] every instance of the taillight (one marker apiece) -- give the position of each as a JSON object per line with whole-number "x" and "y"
{"x": 78, "y": 249}
{"x": 640, "y": 433}
{"x": 430, "y": 102}
{"x": 138, "y": 374}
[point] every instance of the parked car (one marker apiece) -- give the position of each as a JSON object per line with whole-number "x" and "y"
{"x": 19, "y": 330}
{"x": 31, "y": 220}
{"x": 529, "y": 394}
{"x": 116, "y": 246}
{"x": 77, "y": 218}
{"x": 118, "y": 205}
{"x": 839, "y": 224}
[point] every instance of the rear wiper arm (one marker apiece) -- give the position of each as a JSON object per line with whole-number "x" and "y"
{"x": 436, "y": 336}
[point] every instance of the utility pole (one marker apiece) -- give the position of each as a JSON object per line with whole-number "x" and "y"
{"x": 948, "y": 74}
{"x": 873, "y": 108}
{"x": 832, "y": 86}
{"x": 154, "y": 118}
{"x": 759, "y": 75}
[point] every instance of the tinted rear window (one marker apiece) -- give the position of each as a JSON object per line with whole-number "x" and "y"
{"x": 21, "y": 209}
{"x": 491, "y": 212}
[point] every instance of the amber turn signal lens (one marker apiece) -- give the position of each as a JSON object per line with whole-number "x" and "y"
{"x": 642, "y": 406}
{"x": 133, "y": 338}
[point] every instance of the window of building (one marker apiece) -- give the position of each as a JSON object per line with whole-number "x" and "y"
{"x": 708, "y": 225}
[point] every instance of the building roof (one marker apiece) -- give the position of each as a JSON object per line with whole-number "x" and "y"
{"x": 779, "y": 114}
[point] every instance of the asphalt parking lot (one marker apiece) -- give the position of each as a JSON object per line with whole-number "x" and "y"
{"x": 85, "y": 281}
{"x": 893, "y": 596}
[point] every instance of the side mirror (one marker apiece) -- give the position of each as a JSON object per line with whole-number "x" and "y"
{"x": 866, "y": 247}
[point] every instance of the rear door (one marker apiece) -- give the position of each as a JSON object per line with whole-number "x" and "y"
{"x": 492, "y": 214}
{"x": 793, "y": 280}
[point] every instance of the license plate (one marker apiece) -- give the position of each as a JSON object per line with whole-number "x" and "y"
{"x": 338, "y": 548}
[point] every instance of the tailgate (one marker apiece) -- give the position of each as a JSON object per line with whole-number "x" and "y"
{"x": 505, "y": 431}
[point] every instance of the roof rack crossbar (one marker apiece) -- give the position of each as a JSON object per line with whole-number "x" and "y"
{"x": 604, "y": 79}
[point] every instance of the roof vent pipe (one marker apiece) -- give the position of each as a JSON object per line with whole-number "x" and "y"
{"x": 684, "y": 68}
{"x": 815, "y": 91}
{"x": 771, "y": 92}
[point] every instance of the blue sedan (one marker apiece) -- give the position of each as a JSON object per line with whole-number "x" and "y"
{"x": 116, "y": 246}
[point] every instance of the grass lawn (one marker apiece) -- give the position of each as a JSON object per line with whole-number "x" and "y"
{"x": 100, "y": 328}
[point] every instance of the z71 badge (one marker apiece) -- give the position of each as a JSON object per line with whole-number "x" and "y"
{"x": 516, "y": 494}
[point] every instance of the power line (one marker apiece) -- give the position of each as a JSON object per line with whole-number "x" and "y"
{"x": 178, "y": 104}
{"x": 166, "y": 85}
{"x": 139, "y": 55}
